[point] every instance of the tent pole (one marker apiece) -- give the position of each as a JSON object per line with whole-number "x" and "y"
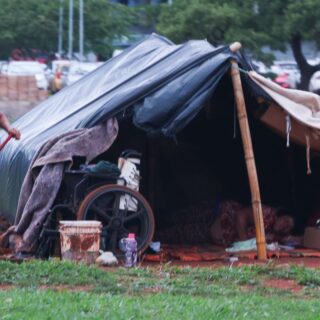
{"x": 249, "y": 156}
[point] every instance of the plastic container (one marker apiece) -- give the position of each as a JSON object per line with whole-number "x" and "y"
{"x": 131, "y": 253}
{"x": 80, "y": 240}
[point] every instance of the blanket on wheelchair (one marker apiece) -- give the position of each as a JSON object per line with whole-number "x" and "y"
{"x": 43, "y": 180}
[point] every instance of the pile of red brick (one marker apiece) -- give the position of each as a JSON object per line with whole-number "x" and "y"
{"x": 21, "y": 89}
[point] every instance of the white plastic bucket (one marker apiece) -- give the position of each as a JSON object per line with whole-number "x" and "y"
{"x": 80, "y": 240}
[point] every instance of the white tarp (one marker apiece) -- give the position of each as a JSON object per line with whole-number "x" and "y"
{"x": 301, "y": 105}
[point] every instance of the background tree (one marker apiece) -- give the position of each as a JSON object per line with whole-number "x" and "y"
{"x": 218, "y": 22}
{"x": 33, "y": 24}
{"x": 28, "y": 24}
{"x": 104, "y": 22}
{"x": 291, "y": 21}
{"x": 255, "y": 23}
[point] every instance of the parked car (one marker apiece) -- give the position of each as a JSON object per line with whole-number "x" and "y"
{"x": 27, "y": 68}
{"x": 314, "y": 84}
{"x": 79, "y": 69}
{"x": 37, "y": 55}
{"x": 288, "y": 73}
{"x": 116, "y": 52}
{"x": 263, "y": 69}
{"x": 3, "y": 63}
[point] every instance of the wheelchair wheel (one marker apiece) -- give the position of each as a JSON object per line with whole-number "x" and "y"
{"x": 121, "y": 211}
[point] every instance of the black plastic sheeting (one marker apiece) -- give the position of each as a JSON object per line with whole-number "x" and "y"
{"x": 165, "y": 84}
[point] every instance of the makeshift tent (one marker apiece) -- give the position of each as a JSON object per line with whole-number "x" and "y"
{"x": 163, "y": 86}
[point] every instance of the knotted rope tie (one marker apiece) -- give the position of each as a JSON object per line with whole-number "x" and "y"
{"x": 240, "y": 69}
{"x": 308, "y": 153}
{"x": 288, "y": 129}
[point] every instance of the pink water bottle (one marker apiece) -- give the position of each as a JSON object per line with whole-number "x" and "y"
{"x": 131, "y": 251}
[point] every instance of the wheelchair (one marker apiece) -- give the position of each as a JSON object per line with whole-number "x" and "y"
{"x": 107, "y": 197}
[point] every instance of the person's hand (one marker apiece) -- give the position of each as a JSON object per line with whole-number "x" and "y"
{"x": 15, "y": 133}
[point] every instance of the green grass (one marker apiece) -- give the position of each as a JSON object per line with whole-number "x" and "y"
{"x": 39, "y": 272}
{"x": 65, "y": 290}
{"x": 28, "y": 304}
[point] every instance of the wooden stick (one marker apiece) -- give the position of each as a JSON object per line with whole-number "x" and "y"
{"x": 250, "y": 161}
{"x": 235, "y": 46}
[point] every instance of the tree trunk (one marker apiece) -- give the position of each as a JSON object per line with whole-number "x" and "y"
{"x": 306, "y": 69}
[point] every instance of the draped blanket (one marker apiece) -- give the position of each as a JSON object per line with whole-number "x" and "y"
{"x": 43, "y": 180}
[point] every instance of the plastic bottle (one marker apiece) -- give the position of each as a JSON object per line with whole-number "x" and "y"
{"x": 131, "y": 251}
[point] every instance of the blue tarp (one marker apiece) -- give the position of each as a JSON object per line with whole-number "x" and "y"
{"x": 166, "y": 85}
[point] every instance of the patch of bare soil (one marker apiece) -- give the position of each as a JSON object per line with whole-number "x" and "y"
{"x": 246, "y": 288}
{"x": 4, "y": 287}
{"x": 309, "y": 262}
{"x": 61, "y": 287}
{"x": 154, "y": 289}
{"x": 283, "y": 284}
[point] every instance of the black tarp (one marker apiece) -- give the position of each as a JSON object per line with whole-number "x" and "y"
{"x": 164, "y": 85}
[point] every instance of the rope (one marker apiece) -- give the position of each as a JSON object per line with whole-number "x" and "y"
{"x": 288, "y": 127}
{"x": 250, "y": 64}
{"x": 308, "y": 153}
{"x": 240, "y": 69}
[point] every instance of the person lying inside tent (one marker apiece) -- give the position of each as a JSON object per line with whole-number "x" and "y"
{"x": 222, "y": 223}
{"x": 5, "y": 125}
{"x": 235, "y": 223}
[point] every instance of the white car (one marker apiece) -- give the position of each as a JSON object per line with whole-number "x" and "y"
{"x": 314, "y": 84}
{"x": 259, "y": 66}
{"x": 79, "y": 69}
{"x": 27, "y": 68}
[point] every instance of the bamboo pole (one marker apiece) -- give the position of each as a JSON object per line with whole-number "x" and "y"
{"x": 249, "y": 156}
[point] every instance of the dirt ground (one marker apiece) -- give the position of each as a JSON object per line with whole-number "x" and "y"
{"x": 205, "y": 256}
{"x": 281, "y": 262}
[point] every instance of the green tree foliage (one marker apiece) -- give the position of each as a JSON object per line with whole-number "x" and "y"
{"x": 104, "y": 22}
{"x": 292, "y": 21}
{"x": 27, "y": 24}
{"x": 252, "y": 22}
{"x": 217, "y": 21}
{"x": 33, "y": 24}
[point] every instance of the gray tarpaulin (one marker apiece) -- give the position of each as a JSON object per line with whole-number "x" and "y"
{"x": 166, "y": 84}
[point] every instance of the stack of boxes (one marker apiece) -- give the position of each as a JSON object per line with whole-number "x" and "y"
{"x": 32, "y": 89}
{"x": 3, "y": 87}
{"x": 22, "y": 88}
{"x": 12, "y": 88}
